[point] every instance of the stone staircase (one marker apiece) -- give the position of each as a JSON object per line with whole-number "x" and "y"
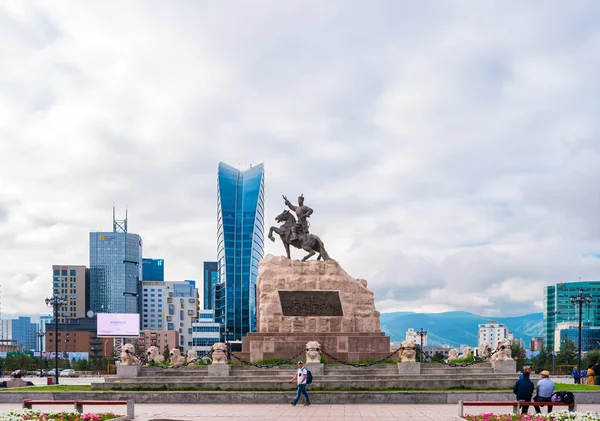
{"x": 336, "y": 376}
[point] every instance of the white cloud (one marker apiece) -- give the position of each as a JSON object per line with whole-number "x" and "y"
{"x": 449, "y": 152}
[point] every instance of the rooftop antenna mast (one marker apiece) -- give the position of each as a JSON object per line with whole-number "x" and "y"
{"x": 119, "y": 225}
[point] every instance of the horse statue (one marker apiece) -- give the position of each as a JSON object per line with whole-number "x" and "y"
{"x": 301, "y": 240}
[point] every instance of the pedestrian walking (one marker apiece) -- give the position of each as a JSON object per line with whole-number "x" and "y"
{"x": 301, "y": 376}
{"x": 524, "y": 390}
{"x": 591, "y": 375}
{"x": 597, "y": 371}
{"x": 544, "y": 389}
{"x": 575, "y": 376}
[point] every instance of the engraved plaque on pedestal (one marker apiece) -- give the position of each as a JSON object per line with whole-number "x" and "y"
{"x": 311, "y": 303}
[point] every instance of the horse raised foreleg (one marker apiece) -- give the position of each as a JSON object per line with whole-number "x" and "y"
{"x": 271, "y": 231}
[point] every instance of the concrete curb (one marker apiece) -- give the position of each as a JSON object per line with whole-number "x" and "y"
{"x": 582, "y": 397}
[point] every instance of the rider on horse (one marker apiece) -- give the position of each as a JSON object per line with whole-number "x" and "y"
{"x": 303, "y": 212}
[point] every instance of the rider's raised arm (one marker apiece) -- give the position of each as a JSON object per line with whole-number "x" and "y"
{"x": 289, "y": 204}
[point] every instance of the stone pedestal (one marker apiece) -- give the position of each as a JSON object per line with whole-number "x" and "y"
{"x": 317, "y": 369}
{"x": 16, "y": 383}
{"x": 221, "y": 370}
{"x": 299, "y": 302}
{"x": 509, "y": 366}
{"x": 409, "y": 368}
{"x": 128, "y": 371}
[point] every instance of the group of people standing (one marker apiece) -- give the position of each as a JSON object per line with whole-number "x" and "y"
{"x": 588, "y": 376}
{"x": 524, "y": 389}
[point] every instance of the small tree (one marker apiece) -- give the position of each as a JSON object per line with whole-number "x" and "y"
{"x": 518, "y": 354}
{"x": 166, "y": 353}
{"x": 567, "y": 354}
{"x": 591, "y": 358}
{"x": 438, "y": 356}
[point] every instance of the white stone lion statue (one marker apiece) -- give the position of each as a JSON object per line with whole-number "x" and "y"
{"x": 453, "y": 354}
{"x": 313, "y": 354}
{"x": 408, "y": 351}
{"x": 192, "y": 356}
{"x": 503, "y": 351}
{"x": 467, "y": 353}
{"x": 485, "y": 350}
{"x": 128, "y": 355}
{"x": 176, "y": 358}
{"x": 153, "y": 355}
{"x": 219, "y": 354}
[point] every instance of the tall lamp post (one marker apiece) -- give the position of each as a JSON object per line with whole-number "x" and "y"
{"x": 579, "y": 300}
{"x": 56, "y": 302}
{"x": 421, "y": 333}
{"x": 40, "y": 334}
{"x": 554, "y": 313}
{"x": 227, "y": 344}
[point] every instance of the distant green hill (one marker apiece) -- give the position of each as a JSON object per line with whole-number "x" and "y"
{"x": 457, "y": 327}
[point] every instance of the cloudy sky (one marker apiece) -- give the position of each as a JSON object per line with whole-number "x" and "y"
{"x": 450, "y": 150}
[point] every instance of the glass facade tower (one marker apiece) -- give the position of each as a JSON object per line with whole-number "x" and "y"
{"x": 240, "y": 226}
{"x": 211, "y": 278}
{"x": 115, "y": 271}
{"x": 153, "y": 269}
{"x": 559, "y": 309}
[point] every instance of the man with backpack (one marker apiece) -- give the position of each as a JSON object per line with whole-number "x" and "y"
{"x": 304, "y": 378}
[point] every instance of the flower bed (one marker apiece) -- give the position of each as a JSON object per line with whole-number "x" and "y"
{"x": 36, "y": 415}
{"x": 554, "y": 416}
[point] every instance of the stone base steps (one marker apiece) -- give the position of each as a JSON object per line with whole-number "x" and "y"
{"x": 411, "y": 383}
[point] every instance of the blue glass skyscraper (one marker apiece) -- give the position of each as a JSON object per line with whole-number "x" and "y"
{"x": 153, "y": 269}
{"x": 240, "y": 242}
{"x": 211, "y": 278}
{"x": 115, "y": 270}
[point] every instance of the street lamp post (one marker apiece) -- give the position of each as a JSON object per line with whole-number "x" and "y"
{"x": 40, "y": 334}
{"x": 421, "y": 333}
{"x": 227, "y": 344}
{"x": 56, "y": 302}
{"x": 579, "y": 300}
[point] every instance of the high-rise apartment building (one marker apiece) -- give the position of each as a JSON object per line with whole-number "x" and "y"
{"x": 153, "y": 269}
{"x": 536, "y": 344}
{"x": 411, "y": 335}
{"x": 170, "y": 306}
{"x": 559, "y": 309}
{"x": 492, "y": 332}
{"x": 240, "y": 242}
{"x": 152, "y": 315}
{"x": 71, "y": 282}
{"x": 211, "y": 279}
{"x": 115, "y": 269}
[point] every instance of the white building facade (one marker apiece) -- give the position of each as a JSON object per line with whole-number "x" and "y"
{"x": 493, "y": 332}
{"x": 206, "y": 331}
{"x": 411, "y": 335}
{"x": 170, "y": 306}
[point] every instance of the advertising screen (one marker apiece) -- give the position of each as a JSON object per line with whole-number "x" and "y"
{"x": 118, "y": 325}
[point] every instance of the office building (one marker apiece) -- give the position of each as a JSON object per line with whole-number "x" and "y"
{"x": 115, "y": 270}
{"x": 211, "y": 279}
{"x": 152, "y": 314}
{"x": 536, "y": 344}
{"x": 161, "y": 339}
{"x": 590, "y": 336}
{"x": 20, "y": 332}
{"x": 491, "y": 333}
{"x": 411, "y": 335}
{"x": 240, "y": 226}
{"x": 559, "y": 309}
{"x": 79, "y": 335}
{"x": 206, "y": 331}
{"x": 72, "y": 283}
{"x": 153, "y": 269}
{"x": 170, "y": 306}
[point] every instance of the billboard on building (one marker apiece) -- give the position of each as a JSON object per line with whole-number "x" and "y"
{"x": 116, "y": 325}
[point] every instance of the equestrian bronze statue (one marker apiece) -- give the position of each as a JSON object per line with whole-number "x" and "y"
{"x": 295, "y": 232}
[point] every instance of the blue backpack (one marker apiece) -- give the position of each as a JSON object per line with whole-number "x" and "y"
{"x": 308, "y": 377}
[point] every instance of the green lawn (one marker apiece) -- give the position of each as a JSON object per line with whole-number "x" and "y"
{"x": 57, "y": 388}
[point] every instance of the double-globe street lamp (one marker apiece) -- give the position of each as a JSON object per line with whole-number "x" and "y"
{"x": 56, "y": 302}
{"x": 40, "y": 334}
{"x": 579, "y": 300}
{"x": 421, "y": 333}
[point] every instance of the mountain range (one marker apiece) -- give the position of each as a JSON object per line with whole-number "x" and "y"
{"x": 457, "y": 327}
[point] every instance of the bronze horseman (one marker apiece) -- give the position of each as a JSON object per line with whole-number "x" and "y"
{"x": 296, "y": 233}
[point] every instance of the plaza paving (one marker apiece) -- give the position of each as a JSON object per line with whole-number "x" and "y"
{"x": 188, "y": 412}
